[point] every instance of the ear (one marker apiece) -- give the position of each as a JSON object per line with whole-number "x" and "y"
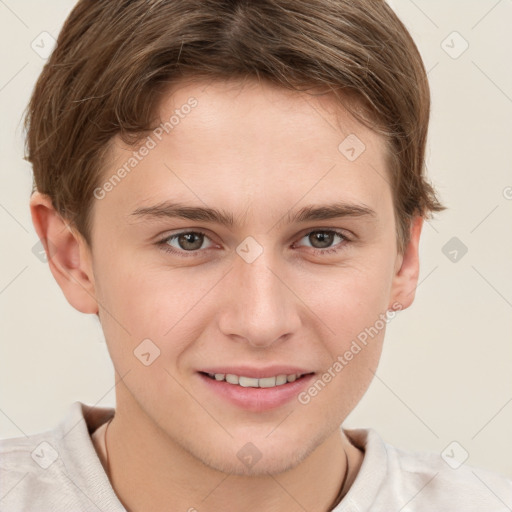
{"x": 407, "y": 270}
{"x": 67, "y": 253}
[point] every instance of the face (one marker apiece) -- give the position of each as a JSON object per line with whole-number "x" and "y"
{"x": 249, "y": 238}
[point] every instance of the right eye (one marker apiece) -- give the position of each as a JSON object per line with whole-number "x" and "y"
{"x": 184, "y": 242}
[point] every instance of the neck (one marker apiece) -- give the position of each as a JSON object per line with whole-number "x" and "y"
{"x": 153, "y": 473}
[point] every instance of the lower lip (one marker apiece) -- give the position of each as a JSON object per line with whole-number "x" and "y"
{"x": 257, "y": 399}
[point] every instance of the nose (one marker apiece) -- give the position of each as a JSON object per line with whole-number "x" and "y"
{"x": 260, "y": 306}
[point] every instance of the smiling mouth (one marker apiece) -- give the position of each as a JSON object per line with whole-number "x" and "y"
{"x": 251, "y": 382}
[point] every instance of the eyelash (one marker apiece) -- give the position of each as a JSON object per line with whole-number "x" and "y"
{"x": 164, "y": 246}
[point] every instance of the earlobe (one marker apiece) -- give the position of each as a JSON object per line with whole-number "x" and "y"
{"x": 67, "y": 253}
{"x": 405, "y": 279}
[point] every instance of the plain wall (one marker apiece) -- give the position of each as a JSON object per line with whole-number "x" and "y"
{"x": 446, "y": 369}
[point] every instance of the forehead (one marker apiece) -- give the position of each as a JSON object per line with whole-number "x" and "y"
{"x": 250, "y": 147}
{"x": 247, "y": 116}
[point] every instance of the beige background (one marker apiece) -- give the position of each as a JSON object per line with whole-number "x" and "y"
{"x": 446, "y": 371}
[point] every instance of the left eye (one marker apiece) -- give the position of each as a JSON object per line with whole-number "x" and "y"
{"x": 191, "y": 241}
{"x": 325, "y": 238}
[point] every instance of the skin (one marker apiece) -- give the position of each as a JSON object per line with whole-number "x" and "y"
{"x": 259, "y": 152}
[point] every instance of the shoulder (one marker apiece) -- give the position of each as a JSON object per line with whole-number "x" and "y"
{"x": 29, "y": 467}
{"x": 57, "y": 469}
{"x": 422, "y": 481}
{"x": 444, "y": 480}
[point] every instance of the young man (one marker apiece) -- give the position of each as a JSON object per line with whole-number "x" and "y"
{"x": 237, "y": 190}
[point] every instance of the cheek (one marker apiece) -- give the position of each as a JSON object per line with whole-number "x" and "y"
{"x": 164, "y": 305}
{"x": 345, "y": 380}
{"x": 353, "y": 304}
{"x": 347, "y": 372}
{"x": 350, "y": 298}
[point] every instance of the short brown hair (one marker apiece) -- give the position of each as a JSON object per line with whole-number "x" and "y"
{"x": 114, "y": 58}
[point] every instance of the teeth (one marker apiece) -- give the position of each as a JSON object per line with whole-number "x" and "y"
{"x": 232, "y": 379}
{"x": 247, "y": 382}
{"x": 281, "y": 379}
{"x": 267, "y": 382}
{"x": 251, "y": 382}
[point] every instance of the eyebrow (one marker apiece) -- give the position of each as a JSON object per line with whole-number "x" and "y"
{"x": 169, "y": 209}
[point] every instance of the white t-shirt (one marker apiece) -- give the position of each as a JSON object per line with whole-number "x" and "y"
{"x": 59, "y": 471}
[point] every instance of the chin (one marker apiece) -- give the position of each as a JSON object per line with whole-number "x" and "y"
{"x": 260, "y": 457}
{"x": 268, "y": 465}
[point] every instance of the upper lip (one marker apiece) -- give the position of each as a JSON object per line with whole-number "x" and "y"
{"x": 256, "y": 373}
